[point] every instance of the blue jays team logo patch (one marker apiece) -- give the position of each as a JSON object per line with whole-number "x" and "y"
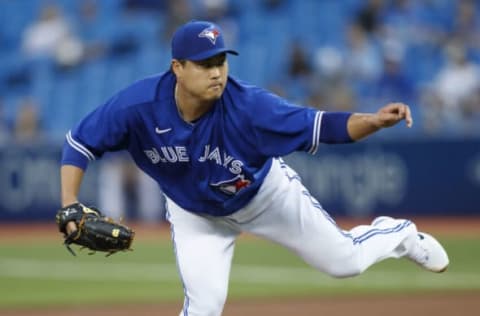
{"x": 211, "y": 33}
{"x": 232, "y": 186}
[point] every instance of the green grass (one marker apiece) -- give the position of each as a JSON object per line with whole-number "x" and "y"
{"x": 45, "y": 274}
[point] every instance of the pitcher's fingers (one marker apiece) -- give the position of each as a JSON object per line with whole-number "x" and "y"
{"x": 408, "y": 116}
{"x": 401, "y": 109}
{"x": 71, "y": 227}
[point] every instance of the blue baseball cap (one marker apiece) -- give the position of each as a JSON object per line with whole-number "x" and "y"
{"x": 198, "y": 40}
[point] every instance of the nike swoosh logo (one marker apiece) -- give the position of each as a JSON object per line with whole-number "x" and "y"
{"x": 162, "y": 131}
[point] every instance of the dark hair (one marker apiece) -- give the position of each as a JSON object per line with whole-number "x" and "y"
{"x": 181, "y": 61}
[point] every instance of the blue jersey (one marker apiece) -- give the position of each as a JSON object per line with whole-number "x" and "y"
{"x": 212, "y": 166}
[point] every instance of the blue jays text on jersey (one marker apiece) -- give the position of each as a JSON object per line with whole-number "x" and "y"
{"x": 213, "y": 166}
{"x": 179, "y": 153}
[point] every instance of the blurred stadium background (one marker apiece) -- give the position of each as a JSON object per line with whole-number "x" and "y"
{"x": 59, "y": 59}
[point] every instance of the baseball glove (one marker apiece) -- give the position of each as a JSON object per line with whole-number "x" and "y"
{"x": 94, "y": 231}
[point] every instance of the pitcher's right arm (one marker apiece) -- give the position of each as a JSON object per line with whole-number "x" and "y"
{"x": 71, "y": 178}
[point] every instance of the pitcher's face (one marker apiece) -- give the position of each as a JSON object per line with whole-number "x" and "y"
{"x": 205, "y": 79}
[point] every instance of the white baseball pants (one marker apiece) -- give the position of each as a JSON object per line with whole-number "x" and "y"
{"x": 284, "y": 212}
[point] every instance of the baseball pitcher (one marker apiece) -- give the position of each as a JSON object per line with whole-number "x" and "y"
{"x": 213, "y": 143}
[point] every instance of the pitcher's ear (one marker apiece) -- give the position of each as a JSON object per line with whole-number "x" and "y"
{"x": 176, "y": 65}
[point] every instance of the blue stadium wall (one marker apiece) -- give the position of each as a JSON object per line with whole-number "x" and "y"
{"x": 398, "y": 178}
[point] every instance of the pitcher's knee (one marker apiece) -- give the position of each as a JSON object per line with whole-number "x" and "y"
{"x": 343, "y": 269}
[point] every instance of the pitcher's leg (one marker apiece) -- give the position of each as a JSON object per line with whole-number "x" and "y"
{"x": 204, "y": 250}
{"x": 390, "y": 238}
{"x": 310, "y": 233}
{"x": 296, "y": 220}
